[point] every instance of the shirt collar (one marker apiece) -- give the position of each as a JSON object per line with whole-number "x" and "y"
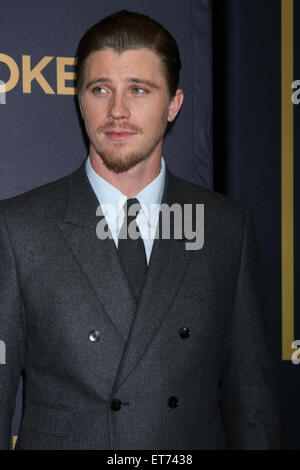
{"x": 149, "y": 197}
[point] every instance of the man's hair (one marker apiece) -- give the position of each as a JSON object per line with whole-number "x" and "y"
{"x": 127, "y": 30}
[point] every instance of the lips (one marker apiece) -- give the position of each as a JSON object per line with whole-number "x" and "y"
{"x": 113, "y": 135}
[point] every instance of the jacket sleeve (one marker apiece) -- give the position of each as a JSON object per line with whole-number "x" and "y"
{"x": 12, "y": 335}
{"x": 248, "y": 402}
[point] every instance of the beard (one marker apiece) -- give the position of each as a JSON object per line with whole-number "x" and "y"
{"x": 118, "y": 163}
{"x": 116, "y": 158}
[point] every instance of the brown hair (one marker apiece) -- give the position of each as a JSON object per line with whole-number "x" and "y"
{"x": 126, "y": 30}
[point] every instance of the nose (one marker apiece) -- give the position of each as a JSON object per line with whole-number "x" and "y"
{"x": 118, "y": 108}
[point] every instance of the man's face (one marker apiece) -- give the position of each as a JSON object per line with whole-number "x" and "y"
{"x": 126, "y": 106}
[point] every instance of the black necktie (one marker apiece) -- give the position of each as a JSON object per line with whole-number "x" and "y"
{"x": 132, "y": 251}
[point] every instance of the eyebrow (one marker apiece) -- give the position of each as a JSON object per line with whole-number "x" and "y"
{"x": 138, "y": 81}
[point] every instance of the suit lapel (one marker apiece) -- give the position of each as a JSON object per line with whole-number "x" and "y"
{"x": 97, "y": 258}
{"x": 165, "y": 273}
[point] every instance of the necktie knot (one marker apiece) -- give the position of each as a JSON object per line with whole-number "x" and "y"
{"x": 132, "y": 207}
{"x": 129, "y": 227}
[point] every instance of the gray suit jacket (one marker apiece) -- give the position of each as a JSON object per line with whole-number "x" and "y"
{"x": 188, "y": 368}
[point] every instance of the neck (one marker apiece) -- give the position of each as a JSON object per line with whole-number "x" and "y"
{"x": 130, "y": 182}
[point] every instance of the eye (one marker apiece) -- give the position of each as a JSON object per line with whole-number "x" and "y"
{"x": 139, "y": 91}
{"x": 98, "y": 90}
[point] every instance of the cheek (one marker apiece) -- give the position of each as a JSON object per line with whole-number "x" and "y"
{"x": 93, "y": 111}
{"x": 155, "y": 117}
{"x": 159, "y": 123}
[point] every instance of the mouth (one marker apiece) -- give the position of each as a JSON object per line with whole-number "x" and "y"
{"x": 118, "y": 136}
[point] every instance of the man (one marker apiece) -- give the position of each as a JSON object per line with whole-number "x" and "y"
{"x": 131, "y": 342}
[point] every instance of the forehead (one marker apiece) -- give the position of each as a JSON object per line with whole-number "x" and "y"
{"x": 138, "y": 62}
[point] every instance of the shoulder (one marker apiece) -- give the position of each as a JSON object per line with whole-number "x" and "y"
{"x": 226, "y": 225}
{"x": 44, "y": 201}
{"x": 218, "y": 208}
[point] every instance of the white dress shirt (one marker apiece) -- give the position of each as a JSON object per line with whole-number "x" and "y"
{"x": 112, "y": 201}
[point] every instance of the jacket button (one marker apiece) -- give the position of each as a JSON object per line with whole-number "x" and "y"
{"x": 184, "y": 332}
{"x": 173, "y": 402}
{"x": 116, "y": 404}
{"x": 94, "y": 336}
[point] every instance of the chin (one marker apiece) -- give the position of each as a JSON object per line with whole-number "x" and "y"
{"x": 121, "y": 164}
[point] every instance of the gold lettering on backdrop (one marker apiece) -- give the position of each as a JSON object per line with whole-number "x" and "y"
{"x": 35, "y": 74}
{"x": 13, "y": 69}
{"x": 30, "y": 73}
{"x": 287, "y": 177}
{"x": 63, "y": 76}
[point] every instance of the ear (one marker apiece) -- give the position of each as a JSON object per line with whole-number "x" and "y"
{"x": 175, "y": 105}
